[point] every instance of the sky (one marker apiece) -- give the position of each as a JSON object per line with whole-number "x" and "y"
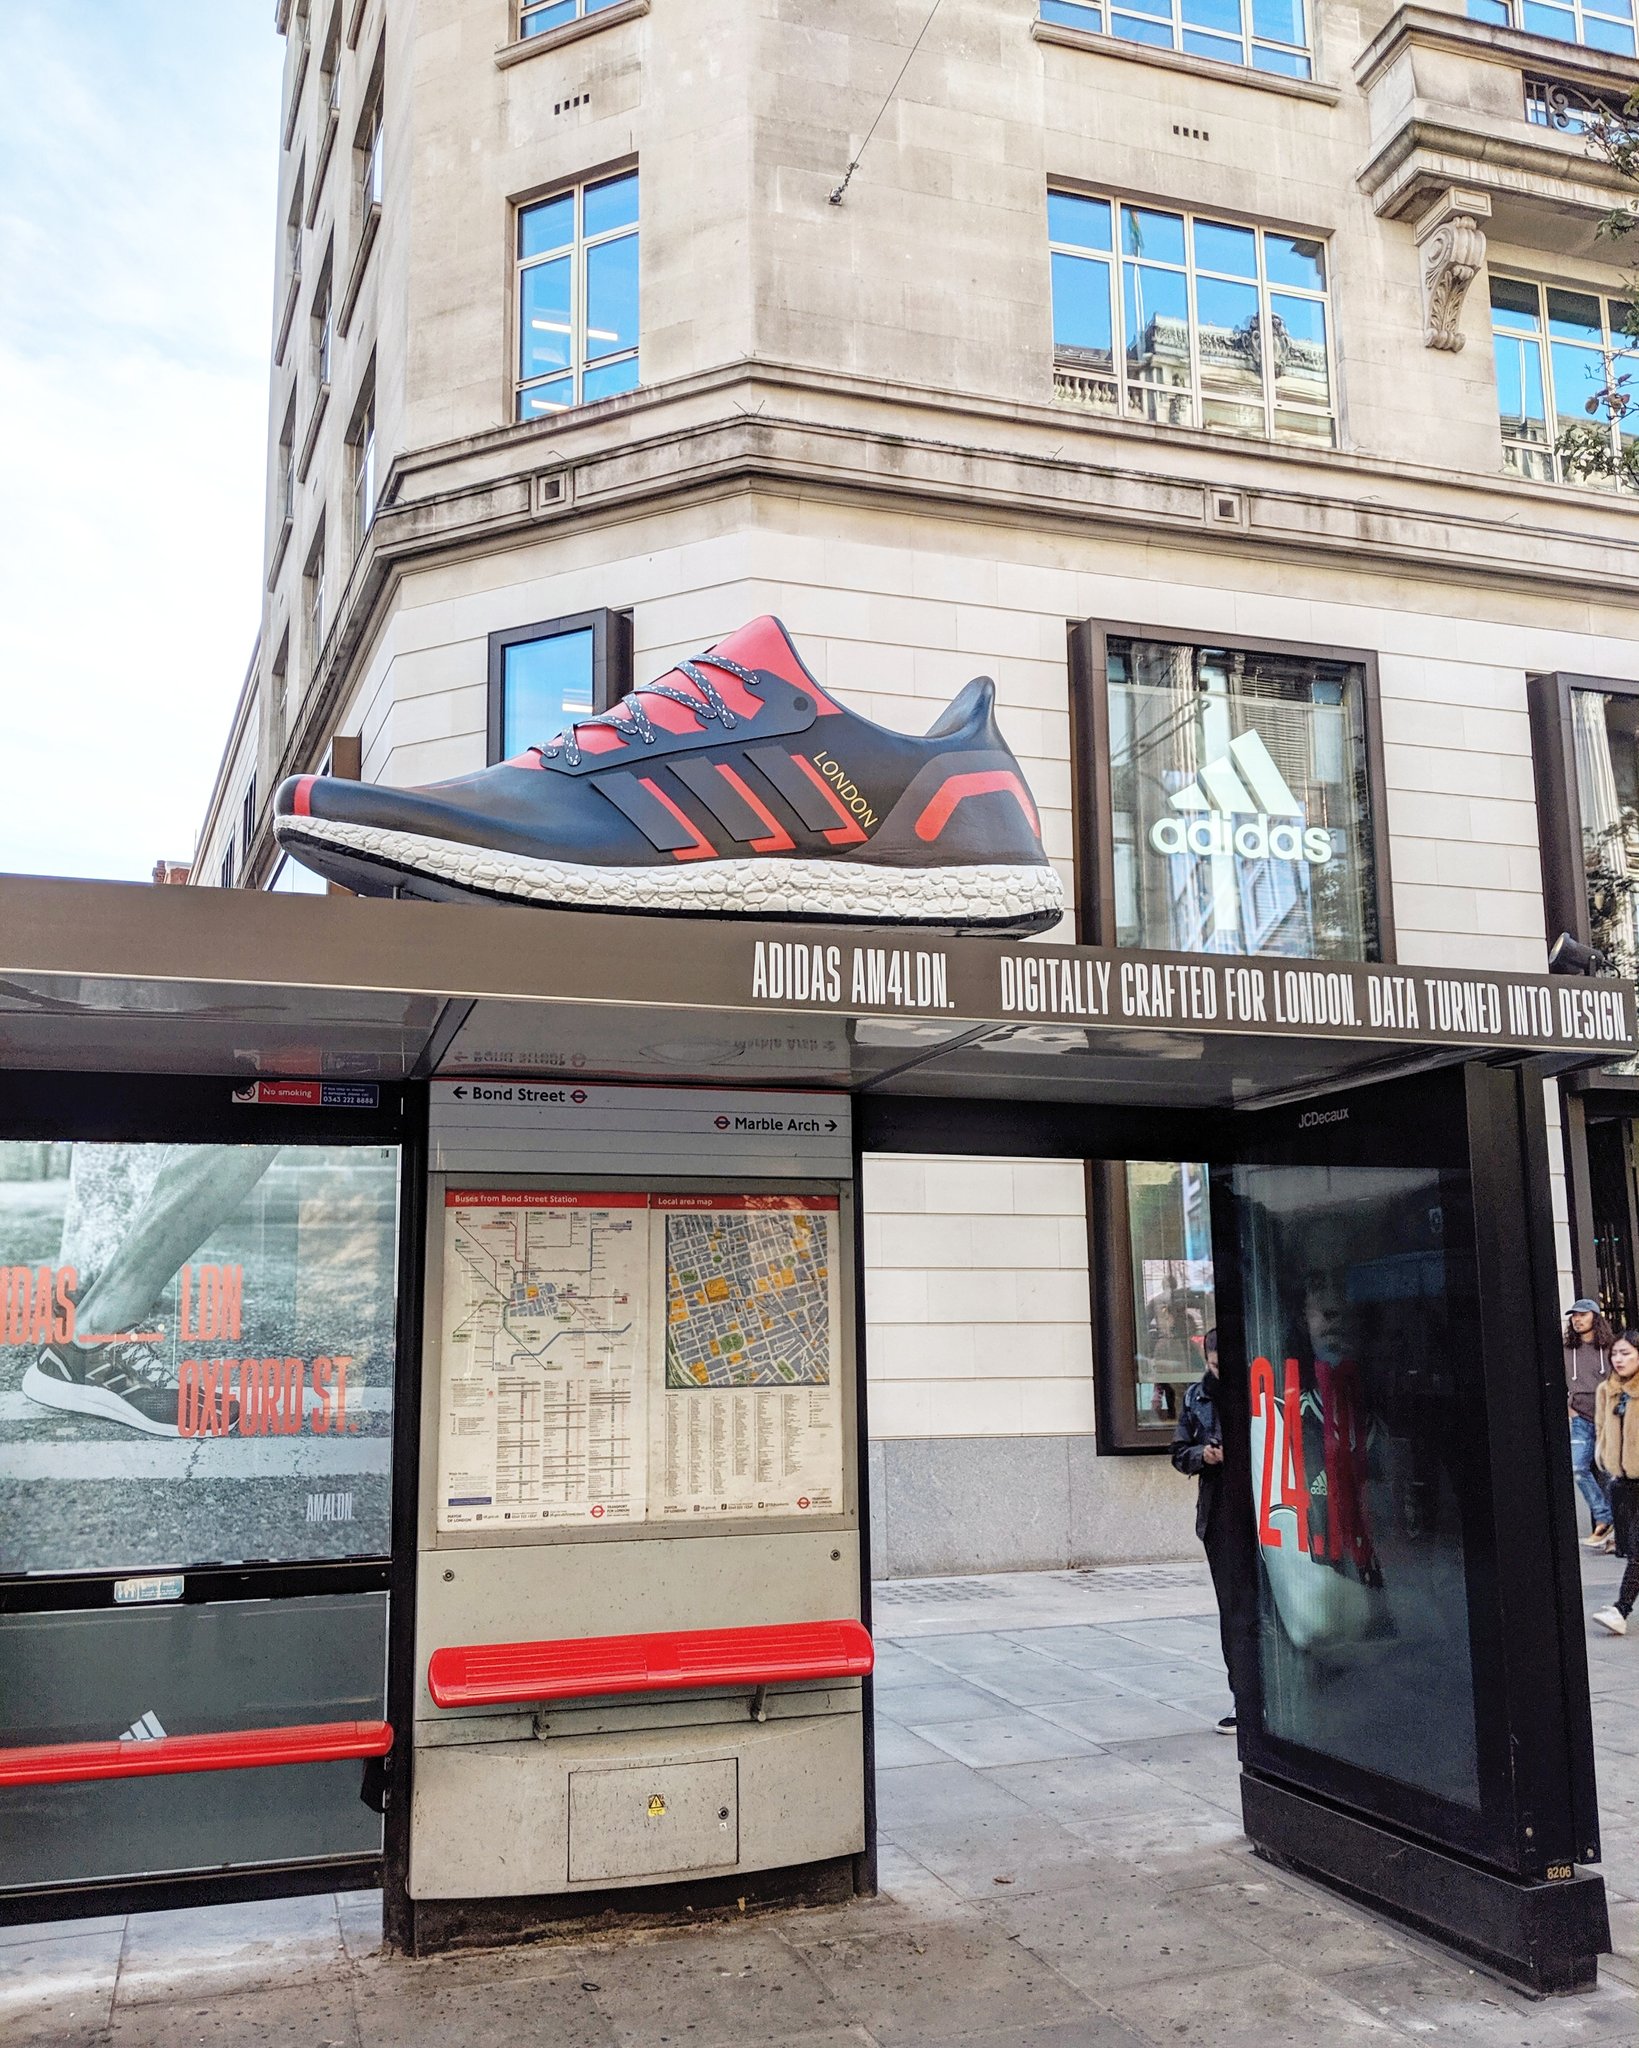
{"x": 139, "y": 153}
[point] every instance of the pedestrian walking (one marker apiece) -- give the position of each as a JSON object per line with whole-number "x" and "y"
{"x": 1616, "y": 1414}
{"x": 1198, "y": 1452}
{"x": 1587, "y": 1363}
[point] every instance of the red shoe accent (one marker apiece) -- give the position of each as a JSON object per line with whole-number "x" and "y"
{"x": 301, "y": 801}
{"x": 851, "y": 832}
{"x": 778, "y": 840}
{"x": 701, "y": 849}
{"x": 989, "y": 782}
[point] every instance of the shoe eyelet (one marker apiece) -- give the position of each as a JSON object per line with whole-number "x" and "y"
{"x": 800, "y": 703}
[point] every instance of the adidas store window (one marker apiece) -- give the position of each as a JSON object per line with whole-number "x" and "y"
{"x": 1229, "y": 800}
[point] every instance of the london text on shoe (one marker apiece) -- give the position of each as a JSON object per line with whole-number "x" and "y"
{"x": 735, "y": 785}
{"x": 120, "y": 1382}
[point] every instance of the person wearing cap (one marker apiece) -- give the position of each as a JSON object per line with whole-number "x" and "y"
{"x": 1587, "y": 1363}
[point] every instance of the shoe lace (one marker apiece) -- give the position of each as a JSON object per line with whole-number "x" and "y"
{"x": 630, "y": 720}
{"x": 137, "y": 1361}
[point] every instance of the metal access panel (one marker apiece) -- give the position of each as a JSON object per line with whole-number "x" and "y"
{"x": 639, "y": 1423}
{"x": 653, "y": 1820}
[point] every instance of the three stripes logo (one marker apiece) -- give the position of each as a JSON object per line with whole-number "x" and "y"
{"x": 145, "y": 1728}
{"x": 1241, "y": 804}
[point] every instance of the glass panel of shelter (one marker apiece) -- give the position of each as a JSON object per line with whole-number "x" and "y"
{"x": 198, "y": 1352}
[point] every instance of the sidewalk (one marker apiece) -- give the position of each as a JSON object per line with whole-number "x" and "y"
{"x": 1062, "y": 1867}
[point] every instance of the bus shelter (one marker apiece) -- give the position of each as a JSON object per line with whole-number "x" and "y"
{"x": 434, "y": 1382}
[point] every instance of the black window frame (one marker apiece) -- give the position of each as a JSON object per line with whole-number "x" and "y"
{"x": 1113, "y": 1309}
{"x": 611, "y": 632}
{"x": 1559, "y": 795}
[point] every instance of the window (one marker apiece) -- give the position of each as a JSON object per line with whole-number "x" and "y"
{"x": 287, "y": 464}
{"x": 330, "y": 66}
{"x": 1154, "y": 1301}
{"x": 1268, "y": 35}
{"x": 1600, "y": 24}
{"x": 535, "y": 19}
{"x": 313, "y": 599}
{"x": 370, "y": 156}
{"x": 577, "y": 297}
{"x": 279, "y": 708}
{"x": 1239, "y": 801}
{"x": 290, "y": 878}
{"x": 1190, "y": 322}
{"x": 229, "y": 869}
{"x": 324, "y": 328}
{"x": 363, "y": 445}
{"x": 293, "y": 230}
{"x": 1558, "y": 352}
{"x": 544, "y": 676}
{"x": 1573, "y": 109}
{"x": 247, "y": 814}
{"x": 1169, "y": 1228}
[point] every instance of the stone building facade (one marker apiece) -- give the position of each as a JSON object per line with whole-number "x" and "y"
{"x": 1136, "y": 359}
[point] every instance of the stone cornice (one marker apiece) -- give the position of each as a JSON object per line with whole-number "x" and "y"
{"x": 781, "y": 430}
{"x": 1488, "y": 45}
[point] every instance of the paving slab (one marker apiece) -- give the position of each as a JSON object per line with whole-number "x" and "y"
{"x": 1265, "y": 2006}
{"x": 942, "y": 1981}
{"x": 60, "y": 1978}
{"x": 930, "y": 1793}
{"x": 1081, "y": 1787}
{"x": 1013, "y": 1854}
{"x": 896, "y": 1746}
{"x": 295, "y": 2016}
{"x": 429, "y": 2005}
{"x": 738, "y": 1987}
{"x": 1013, "y": 1738}
{"x": 1103, "y": 1936}
{"x": 215, "y": 1949}
{"x": 1423, "y": 1994}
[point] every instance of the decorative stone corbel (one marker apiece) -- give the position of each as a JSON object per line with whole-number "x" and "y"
{"x": 1451, "y": 244}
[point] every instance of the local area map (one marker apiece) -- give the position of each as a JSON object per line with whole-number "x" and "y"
{"x": 747, "y": 1299}
{"x": 544, "y": 1356}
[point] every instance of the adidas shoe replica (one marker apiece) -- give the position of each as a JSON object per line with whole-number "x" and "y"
{"x": 120, "y": 1382}
{"x": 734, "y": 785}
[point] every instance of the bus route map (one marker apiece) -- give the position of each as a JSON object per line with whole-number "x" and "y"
{"x": 544, "y": 1342}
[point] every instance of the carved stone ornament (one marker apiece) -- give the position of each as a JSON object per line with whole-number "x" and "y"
{"x": 1452, "y": 246}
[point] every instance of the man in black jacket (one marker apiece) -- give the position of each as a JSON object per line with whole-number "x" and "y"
{"x": 1198, "y": 1452}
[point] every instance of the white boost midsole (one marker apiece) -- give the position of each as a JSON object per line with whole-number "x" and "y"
{"x": 753, "y": 887}
{"x": 75, "y": 1398}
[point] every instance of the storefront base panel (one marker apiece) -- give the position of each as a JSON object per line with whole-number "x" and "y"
{"x": 192, "y": 1888}
{"x": 1541, "y": 1936}
{"x": 433, "y": 1926}
{"x": 945, "y": 1506}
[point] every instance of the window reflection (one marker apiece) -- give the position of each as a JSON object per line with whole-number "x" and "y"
{"x": 1221, "y": 326}
{"x": 1241, "y": 807}
{"x": 1174, "y": 1307}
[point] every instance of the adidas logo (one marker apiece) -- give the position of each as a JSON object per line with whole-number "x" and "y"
{"x": 145, "y": 1728}
{"x": 1241, "y": 803}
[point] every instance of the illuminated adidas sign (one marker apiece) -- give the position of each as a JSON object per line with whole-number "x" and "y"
{"x": 1241, "y": 804}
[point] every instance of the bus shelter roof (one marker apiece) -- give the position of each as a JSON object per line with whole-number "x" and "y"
{"x": 123, "y": 978}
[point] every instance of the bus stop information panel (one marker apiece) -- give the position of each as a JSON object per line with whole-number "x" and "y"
{"x": 638, "y": 1640}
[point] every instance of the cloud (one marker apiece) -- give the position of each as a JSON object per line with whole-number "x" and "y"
{"x": 138, "y": 159}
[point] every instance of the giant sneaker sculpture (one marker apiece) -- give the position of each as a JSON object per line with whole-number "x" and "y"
{"x": 733, "y": 787}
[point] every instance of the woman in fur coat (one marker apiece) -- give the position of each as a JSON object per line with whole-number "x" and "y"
{"x": 1616, "y": 1423}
